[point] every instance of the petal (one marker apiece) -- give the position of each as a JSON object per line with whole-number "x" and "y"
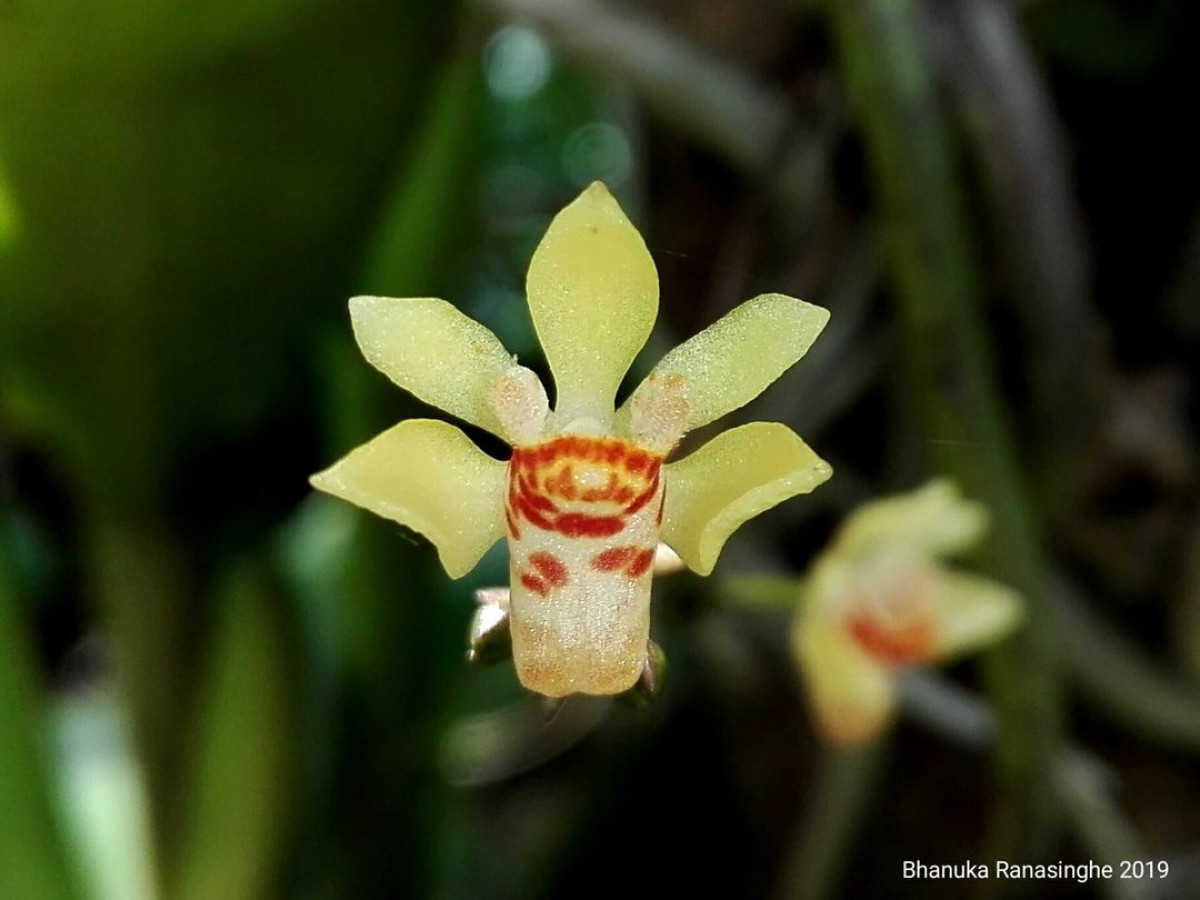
{"x": 519, "y": 399}
{"x": 593, "y": 295}
{"x": 971, "y": 612}
{"x": 658, "y": 414}
{"x": 934, "y": 520}
{"x": 432, "y": 350}
{"x": 733, "y": 360}
{"x": 429, "y": 476}
{"x": 732, "y": 478}
{"x": 852, "y": 696}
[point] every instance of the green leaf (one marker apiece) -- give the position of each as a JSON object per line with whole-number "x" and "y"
{"x": 237, "y": 803}
{"x": 103, "y": 796}
{"x": 433, "y": 198}
{"x": 190, "y": 209}
{"x": 32, "y": 862}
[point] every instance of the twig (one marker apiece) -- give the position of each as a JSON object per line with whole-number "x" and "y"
{"x": 1121, "y": 681}
{"x": 844, "y": 787}
{"x": 1015, "y": 138}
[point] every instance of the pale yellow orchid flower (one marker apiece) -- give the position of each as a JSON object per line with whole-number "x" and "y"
{"x": 881, "y": 598}
{"x": 586, "y": 496}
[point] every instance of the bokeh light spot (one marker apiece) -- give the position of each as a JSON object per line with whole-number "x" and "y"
{"x": 597, "y": 151}
{"x": 516, "y": 63}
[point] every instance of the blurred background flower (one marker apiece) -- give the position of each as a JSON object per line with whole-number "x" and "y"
{"x": 880, "y": 599}
{"x": 215, "y": 685}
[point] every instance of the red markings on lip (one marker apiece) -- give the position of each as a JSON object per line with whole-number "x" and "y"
{"x": 606, "y": 451}
{"x": 614, "y": 558}
{"x": 631, "y": 561}
{"x": 612, "y": 487}
{"x": 644, "y": 497}
{"x": 563, "y": 484}
{"x": 638, "y": 461}
{"x": 641, "y": 564}
{"x": 581, "y": 487}
{"x": 549, "y": 572}
{"x": 522, "y": 504}
{"x": 533, "y": 497}
{"x": 569, "y": 524}
{"x": 550, "y": 567}
{"x": 582, "y": 525}
{"x": 535, "y": 584}
{"x": 896, "y": 645}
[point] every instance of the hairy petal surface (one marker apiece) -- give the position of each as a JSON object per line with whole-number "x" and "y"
{"x": 593, "y": 295}
{"x": 429, "y": 476}
{"x": 972, "y": 611}
{"x": 433, "y": 351}
{"x": 732, "y": 478}
{"x": 732, "y": 361}
{"x": 583, "y": 524}
{"x": 935, "y": 520}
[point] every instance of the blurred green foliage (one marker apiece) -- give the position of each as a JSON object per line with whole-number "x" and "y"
{"x": 34, "y": 864}
{"x": 186, "y": 198}
{"x": 190, "y": 193}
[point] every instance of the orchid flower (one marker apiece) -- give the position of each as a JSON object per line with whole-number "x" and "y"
{"x": 587, "y": 493}
{"x": 881, "y": 598}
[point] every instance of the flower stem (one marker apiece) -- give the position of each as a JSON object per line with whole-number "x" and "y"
{"x": 845, "y": 785}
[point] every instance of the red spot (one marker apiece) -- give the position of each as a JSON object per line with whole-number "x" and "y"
{"x": 631, "y": 561}
{"x": 641, "y": 565}
{"x": 536, "y": 499}
{"x": 644, "y": 497}
{"x": 532, "y": 514}
{"x": 602, "y": 493}
{"x": 613, "y": 453}
{"x": 563, "y": 484}
{"x": 614, "y": 558}
{"x": 513, "y": 530}
{"x": 897, "y": 645}
{"x": 575, "y": 525}
{"x": 550, "y": 567}
{"x": 638, "y": 461}
{"x": 535, "y": 584}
